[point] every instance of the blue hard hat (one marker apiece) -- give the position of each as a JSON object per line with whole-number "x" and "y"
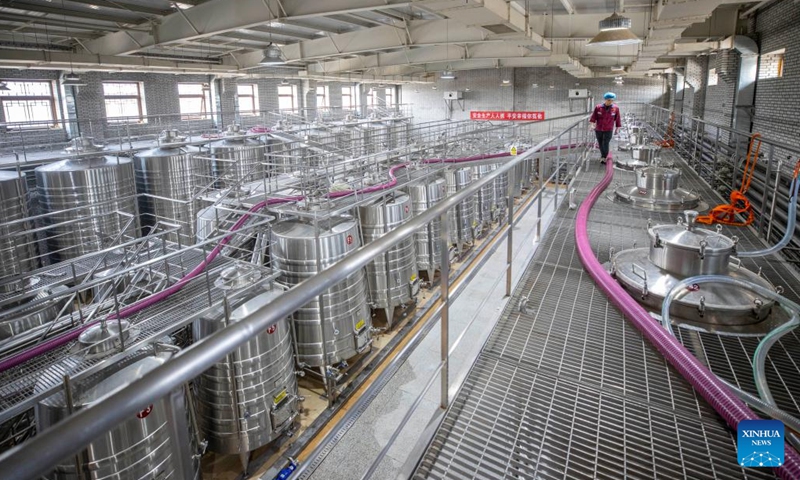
{"x": 609, "y": 96}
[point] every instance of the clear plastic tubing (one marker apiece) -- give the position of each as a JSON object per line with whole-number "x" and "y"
{"x": 790, "y": 224}
{"x": 716, "y": 393}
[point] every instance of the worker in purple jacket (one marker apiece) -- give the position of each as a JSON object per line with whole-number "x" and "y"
{"x": 606, "y": 122}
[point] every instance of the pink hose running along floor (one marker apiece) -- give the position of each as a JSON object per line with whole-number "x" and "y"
{"x": 704, "y": 382}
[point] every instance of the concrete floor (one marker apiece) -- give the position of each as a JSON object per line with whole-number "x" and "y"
{"x": 483, "y": 300}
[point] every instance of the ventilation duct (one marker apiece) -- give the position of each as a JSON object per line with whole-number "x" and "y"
{"x": 747, "y": 69}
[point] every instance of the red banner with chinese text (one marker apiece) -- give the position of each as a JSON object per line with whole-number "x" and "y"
{"x": 506, "y": 116}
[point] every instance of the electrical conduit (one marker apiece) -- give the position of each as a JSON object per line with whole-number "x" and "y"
{"x": 728, "y": 406}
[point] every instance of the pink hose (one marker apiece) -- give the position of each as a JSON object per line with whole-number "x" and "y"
{"x": 61, "y": 340}
{"x": 706, "y": 383}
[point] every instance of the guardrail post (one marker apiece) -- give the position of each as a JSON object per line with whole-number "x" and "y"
{"x": 444, "y": 243}
{"x": 510, "y": 215}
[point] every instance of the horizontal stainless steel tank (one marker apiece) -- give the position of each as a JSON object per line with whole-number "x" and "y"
{"x": 17, "y": 248}
{"x": 168, "y": 177}
{"x": 237, "y": 158}
{"x": 500, "y": 208}
{"x": 424, "y": 195}
{"x": 391, "y": 277}
{"x": 462, "y": 216}
{"x": 485, "y": 198}
{"x": 249, "y": 398}
{"x": 138, "y": 448}
{"x": 101, "y": 186}
{"x": 345, "y": 312}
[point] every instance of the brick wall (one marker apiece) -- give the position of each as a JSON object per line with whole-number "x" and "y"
{"x": 486, "y": 93}
{"x": 777, "y": 99}
{"x": 697, "y": 84}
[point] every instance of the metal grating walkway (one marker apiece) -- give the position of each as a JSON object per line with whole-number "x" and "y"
{"x": 570, "y": 390}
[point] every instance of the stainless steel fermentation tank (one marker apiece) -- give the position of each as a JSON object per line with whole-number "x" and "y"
{"x": 17, "y": 247}
{"x": 391, "y": 277}
{"x": 237, "y": 158}
{"x": 485, "y": 198}
{"x": 142, "y": 447}
{"x": 300, "y": 249}
{"x": 89, "y": 202}
{"x": 462, "y": 216}
{"x": 424, "y": 195}
{"x": 500, "y": 209}
{"x": 169, "y": 177}
{"x": 249, "y": 398}
{"x": 522, "y": 176}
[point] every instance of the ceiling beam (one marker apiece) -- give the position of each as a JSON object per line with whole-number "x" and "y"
{"x": 216, "y": 16}
{"x": 89, "y": 13}
{"x": 353, "y": 19}
{"x": 128, "y": 7}
{"x": 29, "y": 30}
{"x": 283, "y": 32}
{"x": 417, "y": 33}
{"x": 59, "y": 22}
{"x": 568, "y": 6}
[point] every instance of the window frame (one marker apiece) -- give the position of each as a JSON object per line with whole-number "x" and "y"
{"x": 204, "y": 96}
{"x": 292, "y": 96}
{"x": 253, "y": 95}
{"x": 139, "y": 97}
{"x": 389, "y": 95}
{"x": 54, "y": 122}
{"x": 325, "y": 96}
{"x": 350, "y": 94}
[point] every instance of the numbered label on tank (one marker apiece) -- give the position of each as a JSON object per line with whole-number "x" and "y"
{"x": 279, "y": 397}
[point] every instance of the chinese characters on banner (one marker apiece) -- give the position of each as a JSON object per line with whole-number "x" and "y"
{"x": 513, "y": 116}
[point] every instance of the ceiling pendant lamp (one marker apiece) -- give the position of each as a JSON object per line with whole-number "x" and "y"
{"x": 448, "y": 75}
{"x": 272, "y": 55}
{"x": 615, "y": 30}
{"x": 72, "y": 80}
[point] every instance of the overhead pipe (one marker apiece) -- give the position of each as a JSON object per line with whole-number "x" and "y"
{"x": 726, "y": 404}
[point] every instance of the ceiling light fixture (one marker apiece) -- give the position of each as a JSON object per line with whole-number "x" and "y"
{"x": 615, "y": 30}
{"x": 72, "y": 80}
{"x": 618, "y": 68}
{"x": 447, "y": 74}
{"x": 505, "y": 83}
{"x": 272, "y": 55}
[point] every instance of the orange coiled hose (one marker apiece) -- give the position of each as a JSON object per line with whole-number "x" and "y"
{"x": 668, "y": 141}
{"x": 739, "y": 205}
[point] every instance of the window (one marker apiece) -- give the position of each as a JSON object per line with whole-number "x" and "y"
{"x": 248, "y": 99}
{"x": 322, "y": 97}
{"x": 195, "y": 100}
{"x": 124, "y": 101}
{"x": 712, "y": 76}
{"x": 390, "y": 102}
{"x": 287, "y": 97}
{"x": 348, "y": 98}
{"x": 771, "y": 64}
{"x": 372, "y": 97}
{"x": 31, "y": 104}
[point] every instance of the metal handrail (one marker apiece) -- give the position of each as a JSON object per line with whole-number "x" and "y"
{"x": 38, "y": 455}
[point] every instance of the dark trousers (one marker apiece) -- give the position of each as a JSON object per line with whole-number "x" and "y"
{"x": 604, "y": 139}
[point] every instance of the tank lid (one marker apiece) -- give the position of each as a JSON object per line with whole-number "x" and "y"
{"x": 300, "y": 228}
{"x": 124, "y": 377}
{"x": 83, "y": 145}
{"x": 654, "y": 171}
{"x": 685, "y": 234}
{"x": 104, "y": 336}
{"x": 237, "y": 276}
{"x": 169, "y": 137}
